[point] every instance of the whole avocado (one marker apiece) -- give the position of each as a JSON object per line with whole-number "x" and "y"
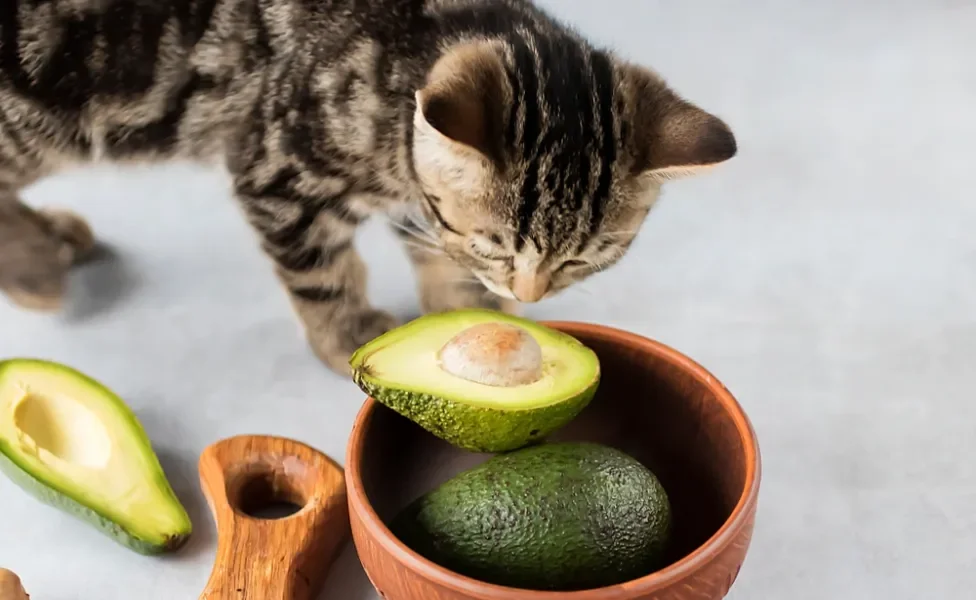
{"x": 556, "y": 517}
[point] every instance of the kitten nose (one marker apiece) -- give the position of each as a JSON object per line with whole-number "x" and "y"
{"x": 529, "y": 287}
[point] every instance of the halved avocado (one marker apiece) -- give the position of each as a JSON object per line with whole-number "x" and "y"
{"x": 485, "y": 381}
{"x": 73, "y": 444}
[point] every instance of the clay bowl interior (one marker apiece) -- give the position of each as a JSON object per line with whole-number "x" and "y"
{"x": 653, "y": 403}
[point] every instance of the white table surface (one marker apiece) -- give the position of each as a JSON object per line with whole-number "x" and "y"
{"x": 827, "y": 276}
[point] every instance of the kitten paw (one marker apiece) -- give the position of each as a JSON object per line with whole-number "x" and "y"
{"x": 72, "y": 231}
{"x": 38, "y": 286}
{"x": 32, "y": 268}
{"x": 471, "y": 296}
{"x": 335, "y": 347}
{"x": 505, "y": 305}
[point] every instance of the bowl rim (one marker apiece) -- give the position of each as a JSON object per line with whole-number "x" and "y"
{"x": 652, "y": 582}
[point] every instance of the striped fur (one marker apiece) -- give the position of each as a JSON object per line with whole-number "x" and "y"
{"x": 513, "y": 157}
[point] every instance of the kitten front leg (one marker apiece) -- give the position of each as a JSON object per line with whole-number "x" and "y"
{"x": 311, "y": 244}
{"x": 443, "y": 284}
{"x": 331, "y": 303}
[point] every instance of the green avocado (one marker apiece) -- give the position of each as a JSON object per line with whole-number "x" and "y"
{"x": 551, "y": 517}
{"x": 485, "y": 381}
{"x": 73, "y": 444}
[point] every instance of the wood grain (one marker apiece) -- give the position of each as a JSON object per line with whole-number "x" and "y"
{"x": 653, "y": 403}
{"x": 280, "y": 559}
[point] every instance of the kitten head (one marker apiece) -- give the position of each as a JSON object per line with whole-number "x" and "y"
{"x": 539, "y": 162}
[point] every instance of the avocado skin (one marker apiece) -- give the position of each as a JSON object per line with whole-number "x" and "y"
{"x": 553, "y": 517}
{"x": 473, "y": 428}
{"x": 65, "y": 503}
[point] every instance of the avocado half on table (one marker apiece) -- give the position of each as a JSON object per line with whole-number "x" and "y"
{"x": 73, "y": 444}
{"x": 483, "y": 380}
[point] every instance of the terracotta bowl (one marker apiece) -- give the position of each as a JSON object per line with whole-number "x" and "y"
{"x": 653, "y": 403}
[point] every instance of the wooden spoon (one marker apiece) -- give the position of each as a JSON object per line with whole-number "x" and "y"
{"x": 272, "y": 559}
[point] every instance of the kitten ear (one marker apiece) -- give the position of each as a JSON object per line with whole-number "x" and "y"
{"x": 671, "y": 135}
{"x": 464, "y": 95}
{"x": 457, "y": 122}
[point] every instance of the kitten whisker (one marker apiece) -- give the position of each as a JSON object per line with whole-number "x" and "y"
{"x": 581, "y": 289}
{"x": 421, "y": 223}
{"x": 425, "y": 248}
{"x": 418, "y": 234}
{"x": 408, "y": 227}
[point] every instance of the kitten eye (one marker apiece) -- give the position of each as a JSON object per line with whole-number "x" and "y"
{"x": 481, "y": 248}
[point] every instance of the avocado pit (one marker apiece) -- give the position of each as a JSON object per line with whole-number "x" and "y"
{"x": 495, "y": 354}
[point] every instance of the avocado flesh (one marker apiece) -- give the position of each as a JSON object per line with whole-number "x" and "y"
{"x": 73, "y": 444}
{"x": 401, "y": 370}
{"x": 553, "y": 517}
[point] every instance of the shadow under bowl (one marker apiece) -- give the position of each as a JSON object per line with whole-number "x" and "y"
{"x": 653, "y": 403}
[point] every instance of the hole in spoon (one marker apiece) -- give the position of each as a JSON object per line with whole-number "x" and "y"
{"x": 273, "y": 511}
{"x": 262, "y": 496}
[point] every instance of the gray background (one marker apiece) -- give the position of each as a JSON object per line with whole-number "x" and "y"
{"x": 827, "y": 275}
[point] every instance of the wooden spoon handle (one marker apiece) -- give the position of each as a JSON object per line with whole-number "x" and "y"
{"x": 282, "y": 559}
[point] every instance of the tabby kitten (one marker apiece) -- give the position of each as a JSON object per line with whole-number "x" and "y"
{"x": 513, "y": 157}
